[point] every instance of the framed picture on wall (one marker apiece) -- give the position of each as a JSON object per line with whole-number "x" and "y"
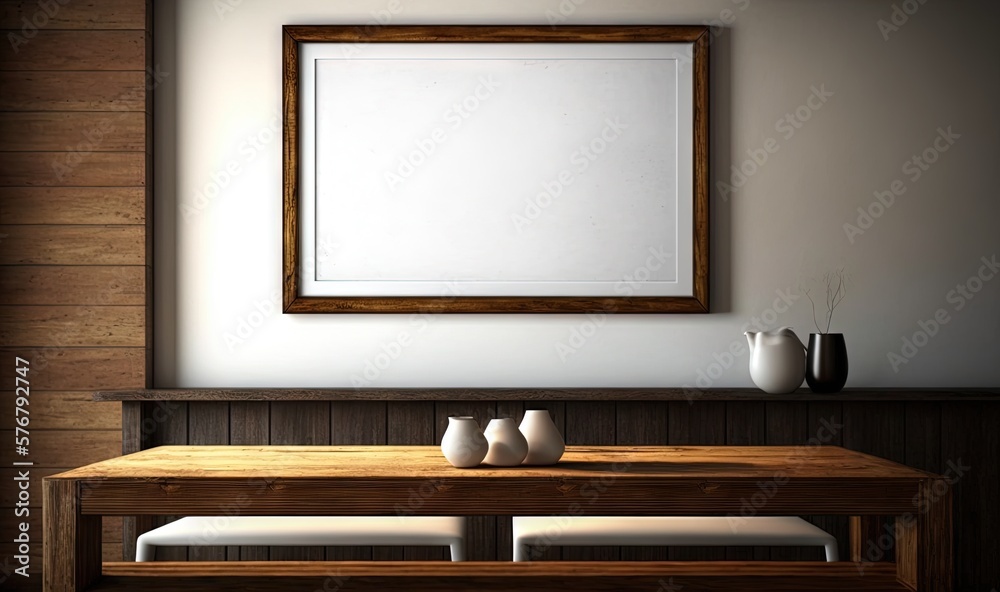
{"x": 480, "y": 169}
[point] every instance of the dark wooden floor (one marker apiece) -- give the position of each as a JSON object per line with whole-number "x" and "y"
{"x": 952, "y": 438}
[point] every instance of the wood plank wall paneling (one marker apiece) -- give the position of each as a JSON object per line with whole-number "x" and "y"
{"x": 249, "y": 423}
{"x": 72, "y": 205}
{"x": 356, "y": 422}
{"x": 52, "y": 50}
{"x": 305, "y": 423}
{"x": 73, "y": 91}
{"x": 75, "y": 149}
{"x": 969, "y": 442}
{"x": 410, "y": 423}
{"x": 642, "y": 423}
{"x": 590, "y": 422}
{"x": 210, "y": 425}
{"x": 106, "y": 14}
{"x": 746, "y": 425}
{"x": 84, "y": 131}
{"x": 702, "y": 423}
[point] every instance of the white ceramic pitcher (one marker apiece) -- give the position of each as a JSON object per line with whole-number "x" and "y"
{"x": 777, "y": 360}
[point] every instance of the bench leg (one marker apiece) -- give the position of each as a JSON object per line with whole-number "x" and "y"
{"x": 144, "y": 551}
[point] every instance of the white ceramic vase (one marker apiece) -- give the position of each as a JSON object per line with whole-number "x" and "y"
{"x": 508, "y": 447}
{"x": 545, "y": 443}
{"x": 464, "y": 444}
{"x": 777, "y": 360}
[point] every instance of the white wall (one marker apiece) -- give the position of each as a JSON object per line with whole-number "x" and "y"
{"x": 218, "y": 262}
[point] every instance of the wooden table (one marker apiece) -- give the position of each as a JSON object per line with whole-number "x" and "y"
{"x": 613, "y": 480}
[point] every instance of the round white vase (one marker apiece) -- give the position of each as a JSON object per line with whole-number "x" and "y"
{"x": 508, "y": 447}
{"x": 545, "y": 443}
{"x": 463, "y": 443}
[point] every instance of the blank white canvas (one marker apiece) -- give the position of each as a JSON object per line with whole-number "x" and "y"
{"x": 496, "y": 169}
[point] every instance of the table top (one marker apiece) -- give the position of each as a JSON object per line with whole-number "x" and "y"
{"x": 427, "y": 463}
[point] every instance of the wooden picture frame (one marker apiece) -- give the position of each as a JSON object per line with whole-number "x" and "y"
{"x": 692, "y": 39}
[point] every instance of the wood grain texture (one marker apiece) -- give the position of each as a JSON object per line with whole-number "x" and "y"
{"x": 701, "y": 156}
{"x": 9, "y": 495}
{"x": 356, "y": 422}
{"x": 642, "y": 423}
{"x": 249, "y": 423}
{"x": 111, "y": 526}
{"x": 826, "y": 428}
{"x": 362, "y": 480}
{"x": 66, "y": 448}
{"x": 73, "y": 169}
{"x": 208, "y": 423}
{"x": 105, "y": 14}
{"x": 55, "y": 132}
{"x": 73, "y": 326}
{"x": 71, "y": 369}
{"x": 53, "y": 50}
{"x": 72, "y": 557}
{"x": 746, "y": 425}
{"x": 299, "y": 424}
{"x": 170, "y": 425}
{"x": 493, "y": 304}
{"x": 73, "y": 91}
{"x": 965, "y": 435}
{"x": 495, "y": 577}
{"x": 73, "y": 245}
{"x": 920, "y": 565}
{"x": 701, "y": 423}
{"x": 73, "y": 152}
{"x": 922, "y": 427}
{"x": 541, "y": 397}
{"x": 787, "y": 424}
{"x": 873, "y": 428}
{"x": 65, "y": 411}
{"x": 73, "y": 285}
{"x": 135, "y": 434}
{"x": 497, "y": 34}
{"x": 698, "y": 302}
{"x": 970, "y": 449}
{"x": 589, "y": 423}
{"x": 290, "y": 172}
{"x": 410, "y": 423}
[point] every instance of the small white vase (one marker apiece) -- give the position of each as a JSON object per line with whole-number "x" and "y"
{"x": 508, "y": 446}
{"x": 545, "y": 443}
{"x": 463, "y": 443}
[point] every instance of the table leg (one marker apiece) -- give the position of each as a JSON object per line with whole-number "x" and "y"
{"x": 71, "y": 558}
{"x": 924, "y": 546}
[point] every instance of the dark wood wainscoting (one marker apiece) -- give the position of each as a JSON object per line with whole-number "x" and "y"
{"x": 954, "y": 438}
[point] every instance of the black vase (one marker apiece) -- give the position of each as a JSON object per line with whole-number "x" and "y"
{"x": 826, "y": 363}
